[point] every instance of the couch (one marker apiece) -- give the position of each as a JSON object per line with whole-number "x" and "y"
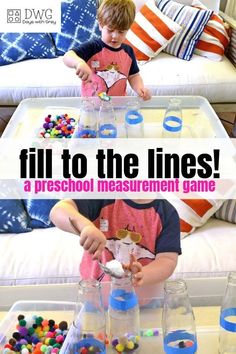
{"x": 165, "y": 74}
{"x": 32, "y": 250}
{"x": 45, "y": 254}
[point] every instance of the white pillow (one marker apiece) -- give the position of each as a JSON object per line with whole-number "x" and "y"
{"x": 139, "y": 4}
{"x": 210, "y": 4}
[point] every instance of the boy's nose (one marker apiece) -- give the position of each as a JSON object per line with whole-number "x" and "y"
{"x": 115, "y": 35}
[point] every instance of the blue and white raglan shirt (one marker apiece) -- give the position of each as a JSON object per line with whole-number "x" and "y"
{"x": 142, "y": 229}
{"x": 111, "y": 67}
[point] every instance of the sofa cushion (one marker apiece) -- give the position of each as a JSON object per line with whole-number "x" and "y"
{"x": 151, "y": 31}
{"x": 78, "y": 24}
{"x": 208, "y": 250}
{"x": 15, "y": 47}
{"x": 194, "y": 213}
{"x": 163, "y": 75}
{"x": 214, "y": 38}
{"x": 55, "y": 253}
{"x": 227, "y": 211}
{"x": 191, "y": 19}
{"x": 38, "y": 211}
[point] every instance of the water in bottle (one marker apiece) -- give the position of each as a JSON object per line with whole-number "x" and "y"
{"x": 178, "y": 322}
{"x": 107, "y": 122}
{"x": 89, "y": 323}
{"x": 123, "y": 316}
{"x": 227, "y": 336}
{"x": 172, "y": 122}
{"x": 134, "y": 122}
{"x": 87, "y": 125}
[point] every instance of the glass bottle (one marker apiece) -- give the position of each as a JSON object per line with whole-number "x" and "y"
{"x": 123, "y": 316}
{"x": 89, "y": 322}
{"x": 87, "y": 125}
{"x": 107, "y": 122}
{"x": 134, "y": 122}
{"x": 227, "y": 336}
{"x": 178, "y": 323}
{"x": 172, "y": 123}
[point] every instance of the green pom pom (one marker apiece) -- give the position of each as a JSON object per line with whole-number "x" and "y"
{"x": 30, "y": 330}
{"x": 22, "y": 323}
{"x": 39, "y": 320}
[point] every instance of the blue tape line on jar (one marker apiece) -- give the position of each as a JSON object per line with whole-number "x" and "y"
{"x": 133, "y": 117}
{"x": 227, "y": 325}
{"x": 90, "y": 342}
{"x": 180, "y": 335}
{"x": 175, "y": 120}
{"x": 122, "y": 300}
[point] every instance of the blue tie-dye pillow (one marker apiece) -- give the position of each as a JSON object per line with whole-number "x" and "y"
{"x": 38, "y": 211}
{"x": 13, "y": 216}
{"x": 16, "y": 47}
{"x": 78, "y": 24}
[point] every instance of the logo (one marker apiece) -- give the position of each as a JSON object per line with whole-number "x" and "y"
{"x": 30, "y": 16}
{"x": 13, "y": 16}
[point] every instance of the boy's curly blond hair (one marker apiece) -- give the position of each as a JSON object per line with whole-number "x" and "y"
{"x": 116, "y": 14}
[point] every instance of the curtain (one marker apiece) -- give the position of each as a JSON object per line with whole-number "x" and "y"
{"x": 230, "y": 8}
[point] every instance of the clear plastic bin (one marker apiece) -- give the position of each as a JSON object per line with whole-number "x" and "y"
{"x": 58, "y": 311}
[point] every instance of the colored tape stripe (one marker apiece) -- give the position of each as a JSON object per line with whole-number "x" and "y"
{"x": 129, "y": 117}
{"x": 227, "y": 325}
{"x": 180, "y": 335}
{"x": 89, "y": 342}
{"x": 169, "y": 119}
{"x": 122, "y": 300}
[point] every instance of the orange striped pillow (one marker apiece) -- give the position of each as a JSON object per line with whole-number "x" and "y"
{"x": 151, "y": 31}
{"x": 194, "y": 213}
{"x": 213, "y": 40}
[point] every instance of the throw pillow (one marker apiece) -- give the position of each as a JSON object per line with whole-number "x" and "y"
{"x": 13, "y": 216}
{"x": 214, "y": 38}
{"x": 39, "y": 210}
{"x": 16, "y": 47}
{"x": 78, "y": 24}
{"x": 151, "y": 32}
{"x": 194, "y": 213}
{"x": 227, "y": 211}
{"x": 191, "y": 19}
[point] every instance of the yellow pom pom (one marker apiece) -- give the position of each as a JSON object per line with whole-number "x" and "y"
{"x": 130, "y": 344}
{"x": 137, "y": 338}
{"x": 120, "y": 347}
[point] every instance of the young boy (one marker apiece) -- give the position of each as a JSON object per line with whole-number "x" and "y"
{"x": 106, "y": 64}
{"x": 115, "y": 229}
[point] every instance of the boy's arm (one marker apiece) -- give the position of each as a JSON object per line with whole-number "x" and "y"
{"x": 160, "y": 269}
{"x": 65, "y": 210}
{"x": 91, "y": 238}
{"x": 136, "y": 82}
{"x": 82, "y": 70}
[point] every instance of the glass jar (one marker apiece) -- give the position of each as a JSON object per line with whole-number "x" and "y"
{"x": 107, "y": 122}
{"x": 134, "y": 123}
{"x": 178, "y": 323}
{"x": 123, "y": 316}
{"x": 172, "y": 123}
{"x": 89, "y": 321}
{"x": 87, "y": 125}
{"x": 227, "y": 336}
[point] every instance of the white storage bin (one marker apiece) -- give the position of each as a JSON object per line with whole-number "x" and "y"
{"x": 56, "y": 310}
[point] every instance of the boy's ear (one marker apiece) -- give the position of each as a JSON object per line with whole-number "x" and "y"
{"x": 100, "y": 26}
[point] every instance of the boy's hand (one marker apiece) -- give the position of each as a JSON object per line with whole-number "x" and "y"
{"x": 136, "y": 269}
{"x": 144, "y": 93}
{"x": 92, "y": 240}
{"x": 83, "y": 71}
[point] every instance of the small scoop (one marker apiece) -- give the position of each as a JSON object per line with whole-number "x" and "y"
{"x": 110, "y": 270}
